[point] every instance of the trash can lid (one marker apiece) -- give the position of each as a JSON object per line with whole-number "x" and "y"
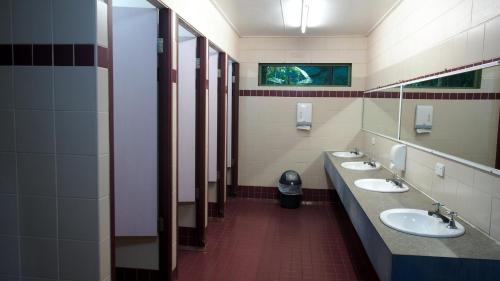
{"x": 290, "y": 177}
{"x": 290, "y": 189}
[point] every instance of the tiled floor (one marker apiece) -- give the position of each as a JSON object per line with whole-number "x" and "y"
{"x": 260, "y": 241}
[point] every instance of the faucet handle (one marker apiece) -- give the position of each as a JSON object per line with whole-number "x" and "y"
{"x": 452, "y": 224}
{"x": 438, "y": 206}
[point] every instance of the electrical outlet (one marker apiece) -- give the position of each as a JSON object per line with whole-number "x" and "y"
{"x": 439, "y": 169}
{"x": 373, "y": 141}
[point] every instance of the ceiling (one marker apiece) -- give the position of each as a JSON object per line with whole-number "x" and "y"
{"x": 283, "y": 17}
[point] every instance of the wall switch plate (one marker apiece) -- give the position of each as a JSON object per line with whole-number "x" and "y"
{"x": 373, "y": 141}
{"x": 439, "y": 169}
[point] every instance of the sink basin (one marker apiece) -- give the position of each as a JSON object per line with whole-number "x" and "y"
{"x": 418, "y": 222}
{"x": 347, "y": 154}
{"x": 360, "y": 166}
{"x": 380, "y": 185}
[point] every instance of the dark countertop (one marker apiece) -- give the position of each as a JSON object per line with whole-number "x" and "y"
{"x": 473, "y": 244}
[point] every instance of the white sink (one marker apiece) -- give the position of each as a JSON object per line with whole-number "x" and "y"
{"x": 360, "y": 166}
{"x": 347, "y": 154}
{"x": 418, "y": 222}
{"x": 380, "y": 185}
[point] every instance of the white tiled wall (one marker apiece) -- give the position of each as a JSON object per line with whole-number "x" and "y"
{"x": 423, "y": 37}
{"x": 269, "y": 142}
{"x": 474, "y": 194}
{"x": 54, "y": 160}
{"x": 302, "y": 50}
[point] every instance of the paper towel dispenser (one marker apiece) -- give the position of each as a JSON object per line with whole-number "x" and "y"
{"x": 423, "y": 118}
{"x": 304, "y": 116}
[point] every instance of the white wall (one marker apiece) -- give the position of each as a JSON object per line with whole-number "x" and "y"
{"x": 204, "y": 17}
{"x": 302, "y": 50}
{"x": 135, "y": 119}
{"x": 269, "y": 142}
{"x": 474, "y": 194}
{"x": 426, "y": 36}
{"x": 187, "y": 119}
{"x": 229, "y": 118}
{"x": 212, "y": 115}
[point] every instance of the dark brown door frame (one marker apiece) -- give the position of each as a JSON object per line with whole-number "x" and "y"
{"x": 201, "y": 180}
{"x": 221, "y": 132}
{"x": 109, "y": 54}
{"x": 497, "y": 161}
{"x": 235, "y": 128}
{"x": 166, "y": 77}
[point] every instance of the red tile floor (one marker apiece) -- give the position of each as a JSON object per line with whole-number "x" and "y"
{"x": 259, "y": 240}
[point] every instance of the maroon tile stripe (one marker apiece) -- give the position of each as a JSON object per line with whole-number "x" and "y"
{"x": 23, "y": 54}
{"x": 451, "y": 96}
{"x": 187, "y": 236}
{"x": 266, "y": 192}
{"x": 377, "y": 95}
{"x": 213, "y": 210}
{"x": 52, "y": 55}
{"x": 136, "y": 274}
{"x": 6, "y": 54}
{"x": 439, "y": 72}
{"x": 64, "y": 55}
{"x": 305, "y": 94}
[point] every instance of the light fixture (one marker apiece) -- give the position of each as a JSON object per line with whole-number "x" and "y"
{"x": 305, "y": 13}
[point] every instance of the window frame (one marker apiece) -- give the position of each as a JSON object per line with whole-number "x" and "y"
{"x": 478, "y": 75}
{"x": 349, "y": 74}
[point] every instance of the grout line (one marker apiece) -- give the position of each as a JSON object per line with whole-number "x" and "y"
{"x": 18, "y": 235}
{"x": 54, "y": 132}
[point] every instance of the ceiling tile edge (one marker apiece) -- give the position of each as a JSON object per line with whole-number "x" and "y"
{"x": 225, "y": 17}
{"x": 391, "y": 9}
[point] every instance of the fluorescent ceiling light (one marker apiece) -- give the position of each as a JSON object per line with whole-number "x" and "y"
{"x": 305, "y": 14}
{"x": 292, "y": 12}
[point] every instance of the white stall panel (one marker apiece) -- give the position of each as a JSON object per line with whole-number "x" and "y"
{"x": 187, "y": 117}
{"x": 212, "y": 115}
{"x": 229, "y": 111}
{"x": 135, "y": 120}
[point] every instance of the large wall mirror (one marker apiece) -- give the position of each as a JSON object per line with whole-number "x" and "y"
{"x": 456, "y": 114}
{"x": 381, "y": 111}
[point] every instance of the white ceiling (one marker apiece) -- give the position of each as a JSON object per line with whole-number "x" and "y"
{"x": 282, "y": 17}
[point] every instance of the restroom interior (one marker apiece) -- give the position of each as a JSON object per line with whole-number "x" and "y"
{"x": 145, "y": 139}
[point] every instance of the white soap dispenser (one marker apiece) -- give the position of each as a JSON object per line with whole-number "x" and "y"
{"x": 398, "y": 157}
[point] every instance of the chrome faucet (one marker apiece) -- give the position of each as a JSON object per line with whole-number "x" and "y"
{"x": 452, "y": 224}
{"x": 437, "y": 213}
{"x": 370, "y": 162}
{"x": 355, "y": 151}
{"x": 397, "y": 181}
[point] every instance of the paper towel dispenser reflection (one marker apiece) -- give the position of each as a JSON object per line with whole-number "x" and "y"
{"x": 304, "y": 116}
{"x": 423, "y": 118}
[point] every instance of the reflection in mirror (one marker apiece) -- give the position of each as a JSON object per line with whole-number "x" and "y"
{"x": 456, "y": 115}
{"x": 381, "y": 111}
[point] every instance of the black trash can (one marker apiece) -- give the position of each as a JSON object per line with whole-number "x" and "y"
{"x": 290, "y": 190}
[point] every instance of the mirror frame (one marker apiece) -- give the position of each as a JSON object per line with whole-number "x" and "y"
{"x": 457, "y": 159}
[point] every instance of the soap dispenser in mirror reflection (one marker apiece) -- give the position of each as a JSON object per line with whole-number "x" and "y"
{"x": 398, "y": 157}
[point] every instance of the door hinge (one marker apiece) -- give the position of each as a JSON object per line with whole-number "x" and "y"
{"x": 159, "y": 45}
{"x": 218, "y": 175}
{"x": 234, "y": 79}
{"x": 198, "y": 63}
{"x": 219, "y": 73}
{"x": 161, "y": 224}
